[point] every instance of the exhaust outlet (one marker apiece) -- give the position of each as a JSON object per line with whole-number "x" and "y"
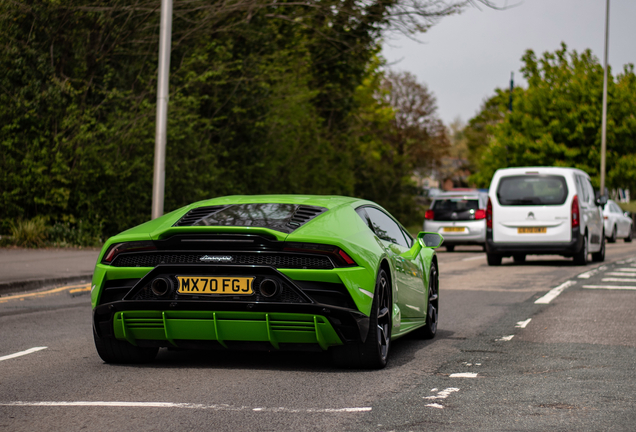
{"x": 161, "y": 286}
{"x": 268, "y": 288}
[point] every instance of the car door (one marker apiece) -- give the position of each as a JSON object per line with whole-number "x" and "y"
{"x": 592, "y": 215}
{"x": 410, "y": 289}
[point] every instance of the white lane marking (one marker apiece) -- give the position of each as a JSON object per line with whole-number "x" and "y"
{"x": 554, "y": 292}
{"x": 620, "y": 274}
{"x": 629, "y": 270}
{"x": 610, "y": 287}
{"x": 523, "y": 324}
{"x": 617, "y": 280}
{"x": 505, "y": 338}
{"x": 21, "y": 353}
{"x": 592, "y": 272}
{"x": 463, "y": 375}
{"x": 435, "y": 405}
{"x": 443, "y": 394}
{"x": 181, "y": 405}
{"x": 474, "y": 258}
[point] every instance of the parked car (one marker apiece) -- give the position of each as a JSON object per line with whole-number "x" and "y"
{"x": 269, "y": 272}
{"x": 459, "y": 216}
{"x": 544, "y": 210}
{"x": 617, "y": 223}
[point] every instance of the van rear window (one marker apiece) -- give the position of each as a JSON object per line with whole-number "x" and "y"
{"x": 532, "y": 190}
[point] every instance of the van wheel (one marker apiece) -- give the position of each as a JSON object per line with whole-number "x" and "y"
{"x": 600, "y": 255}
{"x": 493, "y": 259}
{"x": 580, "y": 258}
{"x": 450, "y": 248}
{"x": 519, "y": 258}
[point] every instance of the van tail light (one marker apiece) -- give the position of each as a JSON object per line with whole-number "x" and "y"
{"x": 480, "y": 214}
{"x": 488, "y": 214}
{"x": 576, "y": 215}
{"x": 430, "y": 214}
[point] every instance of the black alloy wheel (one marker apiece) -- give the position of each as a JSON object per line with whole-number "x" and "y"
{"x": 432, "y": 315}
{"x": 600, "y": 255}
{"x": 612, "y": 238}
{"x": 373, "y": 353}
{"x": 580, "y": 258}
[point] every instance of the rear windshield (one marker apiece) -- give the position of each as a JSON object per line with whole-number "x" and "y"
{"x": 455, "y": 204}
{"x": 532, "y": 190}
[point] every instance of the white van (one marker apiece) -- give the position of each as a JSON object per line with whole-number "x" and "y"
{"x": 544, "y": 210}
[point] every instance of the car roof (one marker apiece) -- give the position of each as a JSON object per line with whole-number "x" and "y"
{"x": 539, "y": 170}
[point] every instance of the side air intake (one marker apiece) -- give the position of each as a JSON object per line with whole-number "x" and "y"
{"x": 195, "y": 215}
{"x": 304, "y": 214}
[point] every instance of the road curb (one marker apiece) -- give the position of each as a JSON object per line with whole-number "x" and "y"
{"x": 33, "y": 284}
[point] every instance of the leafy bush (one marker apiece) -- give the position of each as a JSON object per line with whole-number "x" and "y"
{"x": 29, "y": 233}
{"x": 64, "y": 234}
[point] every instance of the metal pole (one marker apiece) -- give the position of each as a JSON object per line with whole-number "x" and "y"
{"x": 159, "y": 178}
{"x": 604, "y": 121}
{"x": 512, "y": 87}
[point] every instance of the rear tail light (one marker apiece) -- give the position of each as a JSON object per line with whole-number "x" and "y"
{"x": 340, "y": 257}
{"x": 430, "y": 214}
{"x": 604, "y": 217}
{"x": 576, "y": 215}
{"x": 488, "y": 214}
{"x": 480, "y": 214}
{"x": 118, "y": 248}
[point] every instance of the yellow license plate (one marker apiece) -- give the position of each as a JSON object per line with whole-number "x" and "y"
{"x": 532, "y": 230}
{"x": 454, "y": 229}
{"x": 215, "y": 285}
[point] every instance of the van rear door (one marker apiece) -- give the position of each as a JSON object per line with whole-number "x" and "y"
{"x": 532, "y": 208}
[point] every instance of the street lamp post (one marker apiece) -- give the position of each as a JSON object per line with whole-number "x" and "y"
{"x": 604, "y": 120}
{"x": 159, "y": 177}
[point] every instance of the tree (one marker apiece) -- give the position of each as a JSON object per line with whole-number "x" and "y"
{"x": 557, "y": 119}
{"x": 402, "y": 133}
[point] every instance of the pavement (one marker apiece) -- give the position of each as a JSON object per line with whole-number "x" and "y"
{"x": 28, "y": 269}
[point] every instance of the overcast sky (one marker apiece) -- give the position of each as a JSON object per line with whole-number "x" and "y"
{"x": 465, "y": 57}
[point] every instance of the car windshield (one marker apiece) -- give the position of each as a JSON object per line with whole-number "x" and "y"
{"x": 532, "y": 190}
{"x": 455, "y": 204}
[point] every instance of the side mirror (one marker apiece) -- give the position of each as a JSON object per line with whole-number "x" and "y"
{"x": 430, "y": 240}
{"x": 424, "y": 239}
{"x": 601, "y": 200}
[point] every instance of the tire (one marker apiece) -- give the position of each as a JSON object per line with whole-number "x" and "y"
{"x": 600, "y": 255}
{"x": 519, "y": 258}
{"x": 112, "y": 350}
{"x": 580, "y": 258}
{"x": 432, "y": 315}
{"x": 493, "y": 259}
{"x": 612, "y": 239}
{"x": 629, "y": 237}
{"x": 373, "y": 353}
{"x": 450, "y": 248}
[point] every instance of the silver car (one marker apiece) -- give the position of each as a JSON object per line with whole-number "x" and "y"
{"x": 460, "y": 217}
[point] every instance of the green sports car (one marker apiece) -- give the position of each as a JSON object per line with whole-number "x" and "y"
{"x": 287, "y": 272}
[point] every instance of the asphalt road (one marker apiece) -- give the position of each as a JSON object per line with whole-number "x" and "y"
{"x": 567, "y": 364}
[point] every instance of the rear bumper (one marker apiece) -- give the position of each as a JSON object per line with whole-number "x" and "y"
{"x": 222, "y": 329}
{"x": 475, "y": 231}
{"x": 562, "y": 248}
